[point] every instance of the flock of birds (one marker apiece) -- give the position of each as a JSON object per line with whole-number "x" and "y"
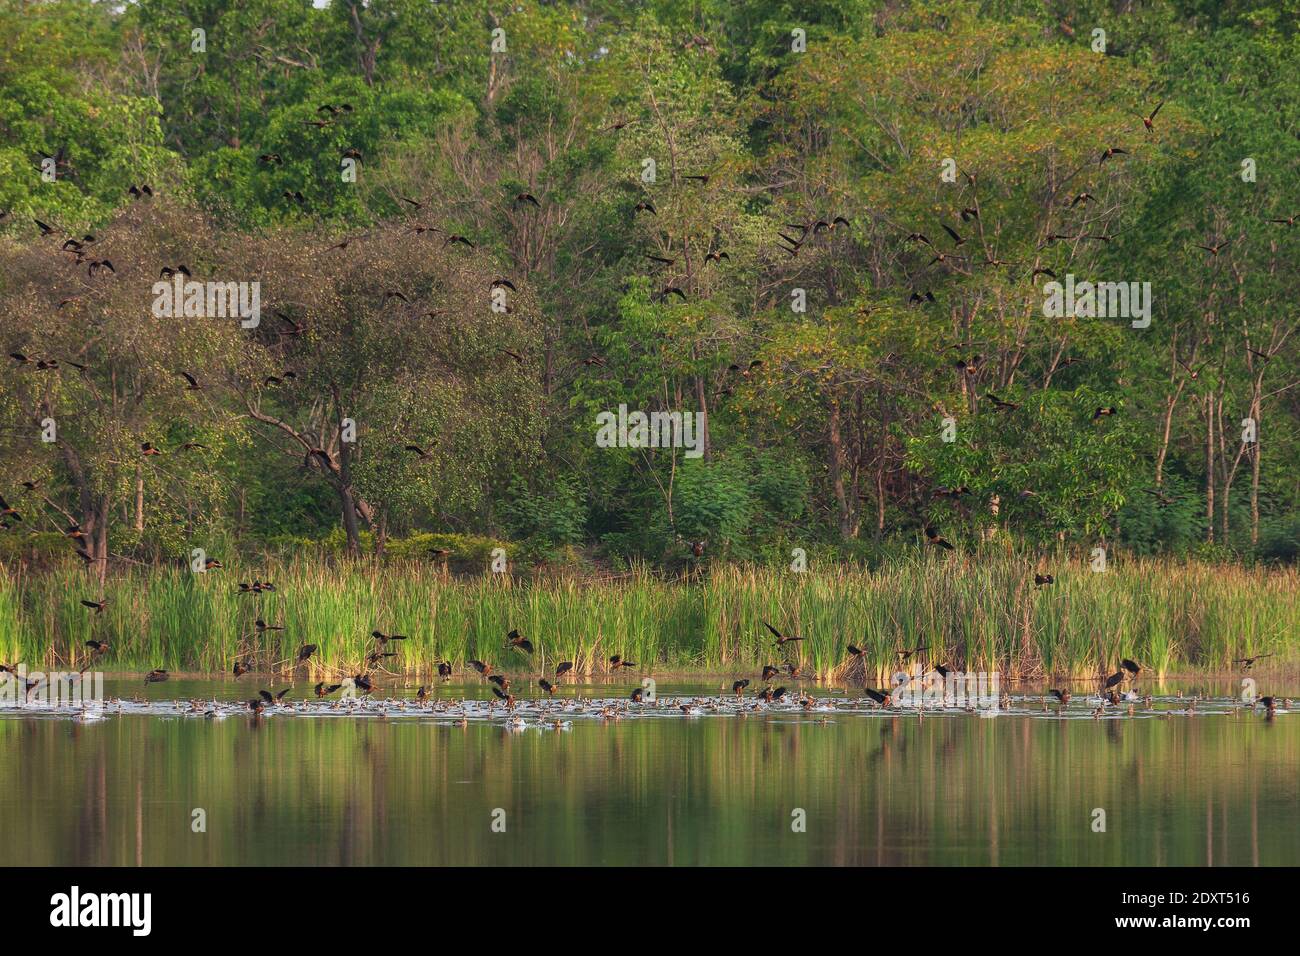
{"x": 951, "y": 252}
{"x": 915, "y": 688}
{"x": 792, "y": 238}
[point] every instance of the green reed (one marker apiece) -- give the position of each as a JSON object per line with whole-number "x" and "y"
{"x": 973, "y": 613}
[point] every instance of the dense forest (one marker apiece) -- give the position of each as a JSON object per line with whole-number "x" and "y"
{"x": 833, "y": 227}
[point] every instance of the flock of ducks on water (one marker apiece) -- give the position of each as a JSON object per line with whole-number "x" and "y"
{"x": 914, "y": 691}
{"x": 550, "y": 713}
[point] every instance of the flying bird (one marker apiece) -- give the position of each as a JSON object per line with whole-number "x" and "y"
{"x": 934, "y": 538}
{"x": 1149, "y": 121}
{"x": 781, "y": 639}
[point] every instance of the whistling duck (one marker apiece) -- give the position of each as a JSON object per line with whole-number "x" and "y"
{"x": 883, "y": 698}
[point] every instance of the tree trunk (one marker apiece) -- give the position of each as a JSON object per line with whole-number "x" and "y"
{"x": 348, "y": 505}
{"x": 836, "y": 465}
{"x": 1254, "y": 482}
{"x": 139, "y": 500}
{"x": 1209, "y": 468}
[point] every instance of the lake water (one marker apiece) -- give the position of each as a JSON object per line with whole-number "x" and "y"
{"x": 1219, "y": 786}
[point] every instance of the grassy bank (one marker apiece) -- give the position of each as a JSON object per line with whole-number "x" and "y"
{"x": 976, "y": 615}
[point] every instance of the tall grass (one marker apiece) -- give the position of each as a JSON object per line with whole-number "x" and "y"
{"x": 973, "y": 614}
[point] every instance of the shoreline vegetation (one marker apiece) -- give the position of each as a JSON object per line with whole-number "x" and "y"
{"x": 974, "y": 612}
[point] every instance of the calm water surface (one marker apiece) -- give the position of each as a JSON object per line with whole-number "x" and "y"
{"x": 877, "y": 790}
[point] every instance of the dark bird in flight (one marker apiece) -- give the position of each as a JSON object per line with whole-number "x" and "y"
{"x": 515, "y": 639}
{"x": 1149, "y": 121}
{"x": 1062, "y": 695}
{"x": 382, "y": 639}
{"x": 563, "y": 668}
{"x": 1248, "y": 662}
{"x": 98, "y": 647}
{"x": 96, "y": 606}
{"x": 1043, "y": 580}
{"x": 305, "y": 652}
{"x": 193, "y": 383}
{"x": 527, "y": 198}
{"x": 1104, "y": 411}
{"x": 934, "y": 538}
{"x": 1110, "y": 152}
{"x": 1215, "y": 249}
{"x": 616, "y": 661}
{"x": 781, "y": 639}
